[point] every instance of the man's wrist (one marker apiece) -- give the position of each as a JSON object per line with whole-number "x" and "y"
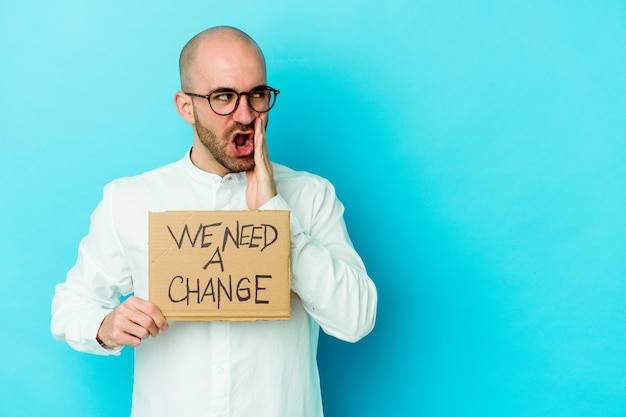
{"x": 100, "y": 342}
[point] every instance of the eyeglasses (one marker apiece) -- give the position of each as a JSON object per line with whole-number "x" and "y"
{"x": 224, "y": 101}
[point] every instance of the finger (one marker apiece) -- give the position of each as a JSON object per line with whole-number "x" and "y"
{"x": 259, "y": 138}
{"x": 259, "y": 123}
{"x": 118, "y": 330}
{"x": 129, "y": 325}
{"x": 141, "y": 325}
{"x": 121, "y": 338}
{"x": 134, "y": 330}
{"x": 150, "y": 316}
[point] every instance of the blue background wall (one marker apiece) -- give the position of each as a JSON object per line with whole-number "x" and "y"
{"x": 479, "y": 147}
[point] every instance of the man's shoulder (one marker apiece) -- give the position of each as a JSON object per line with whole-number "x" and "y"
{"x": 283, "y": 173}
{"x": 157, "y": 177}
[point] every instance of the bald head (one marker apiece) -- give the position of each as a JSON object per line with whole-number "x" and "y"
{"x": 210, "y": 39}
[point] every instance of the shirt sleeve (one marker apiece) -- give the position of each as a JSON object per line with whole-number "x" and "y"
{"x": 93, "y": 286}
{"x": 327, "y": 273}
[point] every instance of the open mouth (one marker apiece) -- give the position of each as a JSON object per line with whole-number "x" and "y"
{"x": 244, "y": 143}
{"x": 242, "y": 139}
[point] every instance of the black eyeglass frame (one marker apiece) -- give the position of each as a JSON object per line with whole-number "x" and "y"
{"x": 238, "y": 94}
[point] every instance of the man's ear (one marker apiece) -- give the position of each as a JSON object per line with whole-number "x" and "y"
{"x": 184, "y": 106}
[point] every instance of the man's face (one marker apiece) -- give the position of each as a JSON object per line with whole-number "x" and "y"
{"x": 226, "y": 143}
{"x": 232, "y": 147}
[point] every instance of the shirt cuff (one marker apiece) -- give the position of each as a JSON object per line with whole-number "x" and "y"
{"x": 85, "y": 340}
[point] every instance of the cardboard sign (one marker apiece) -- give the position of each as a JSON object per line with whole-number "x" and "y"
{"x": 220, "y": 265}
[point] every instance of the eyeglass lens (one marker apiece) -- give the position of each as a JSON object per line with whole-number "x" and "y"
{"x": 225, "y": 101}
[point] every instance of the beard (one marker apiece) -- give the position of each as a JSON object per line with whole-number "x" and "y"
{"x": 218, "y": 147}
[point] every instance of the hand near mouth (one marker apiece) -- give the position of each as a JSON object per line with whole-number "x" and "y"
{"x": 261, "y": 186}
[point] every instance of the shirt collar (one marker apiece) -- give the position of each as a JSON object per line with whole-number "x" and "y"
{"x": 208, "y": 177}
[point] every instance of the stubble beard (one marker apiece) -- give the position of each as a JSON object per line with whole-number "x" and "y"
{"x": 218, "y": 148}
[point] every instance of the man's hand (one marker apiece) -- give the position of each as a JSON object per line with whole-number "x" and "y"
{"x": 131, "y": 322}
{"x": 261, "y": 186}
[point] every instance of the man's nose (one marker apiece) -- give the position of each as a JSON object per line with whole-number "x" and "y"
{"x": 244, "y": 114}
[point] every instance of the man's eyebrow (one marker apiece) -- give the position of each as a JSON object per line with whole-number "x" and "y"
{"x": 222, "y": 89}
{"x": 232, "y": 89}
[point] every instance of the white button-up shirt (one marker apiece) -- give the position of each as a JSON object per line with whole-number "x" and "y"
{"x": 219, "y": 368}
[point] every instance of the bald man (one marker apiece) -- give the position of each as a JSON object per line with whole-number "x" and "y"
{"x": 218, "y": 368}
